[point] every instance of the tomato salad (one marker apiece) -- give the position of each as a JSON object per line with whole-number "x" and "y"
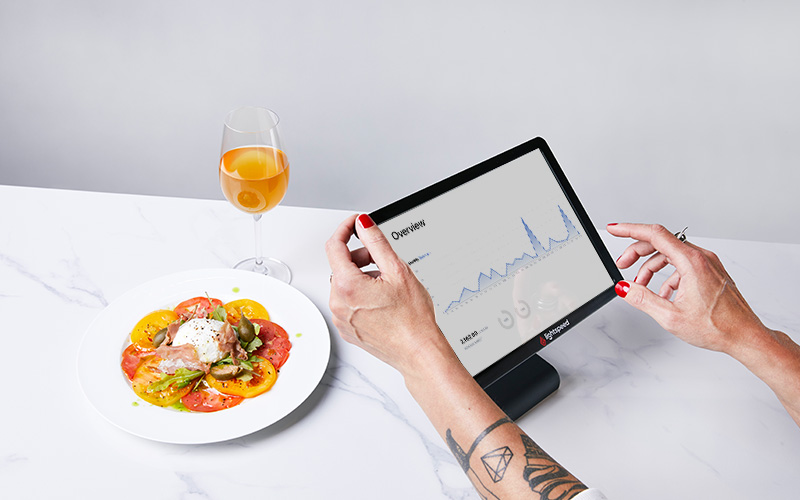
{"x": 205, "y": 355}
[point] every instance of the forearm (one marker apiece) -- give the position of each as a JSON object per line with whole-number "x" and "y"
{"x": 497, "y": 456}
{"x": 774, "y": 358}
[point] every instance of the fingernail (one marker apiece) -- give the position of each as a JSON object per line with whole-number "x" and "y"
{"x": 612, "y": 224}
{"x": 365, "y": 221}
{"x": 622, "y": 288}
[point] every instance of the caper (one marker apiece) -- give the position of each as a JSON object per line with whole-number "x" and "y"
{"x": 247, "y": 331}
{"x": 159, "y": 337}
{"x": 225, "y": 372}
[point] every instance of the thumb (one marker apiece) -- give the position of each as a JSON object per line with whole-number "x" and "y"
{"x": 383, "y": 255}
{"x": 643, "y": 299}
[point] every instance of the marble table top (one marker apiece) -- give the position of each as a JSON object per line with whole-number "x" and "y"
{"x": 638, "y": 415}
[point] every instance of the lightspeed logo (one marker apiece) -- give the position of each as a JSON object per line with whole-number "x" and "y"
{"x": 550, "y": 334}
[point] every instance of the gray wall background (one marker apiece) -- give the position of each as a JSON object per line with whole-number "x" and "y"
{"x": 682, "y": 112}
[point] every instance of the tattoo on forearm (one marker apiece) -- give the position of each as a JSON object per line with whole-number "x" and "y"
{"x": 545, "y": 476}
{"x": 495, "y": 461}
{"x": 463, "y": 458}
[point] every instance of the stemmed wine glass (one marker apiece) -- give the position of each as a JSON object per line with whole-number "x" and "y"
{"x": 254, "y": 175}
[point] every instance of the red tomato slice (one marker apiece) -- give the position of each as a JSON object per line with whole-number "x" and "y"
{"x": 278, "y": 352}
{"x": 269, "y": 330}
{"x": 276, "y": 343}
{"x": 198, "y": 307}
{"x": 131, "y": 357}
{"x": 207, "y": 401}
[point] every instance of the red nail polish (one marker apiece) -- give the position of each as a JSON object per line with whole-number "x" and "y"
{"x": 365, "y": 221}
{"x": 612, "y": 224}
{"x": 622, "y": 288}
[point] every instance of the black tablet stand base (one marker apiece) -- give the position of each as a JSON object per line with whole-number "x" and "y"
{"x": 524, "y": 387}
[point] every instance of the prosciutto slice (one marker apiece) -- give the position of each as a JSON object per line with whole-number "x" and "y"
{"x": 172, "y": 330}
{"x": 229, "y": 343}
{"x": 182, "y": 356}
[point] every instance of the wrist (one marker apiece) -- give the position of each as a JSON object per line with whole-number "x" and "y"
{"x": 433, "y": 361}
{"x": 760, "y": 349}
{"x": 446, "y": 391}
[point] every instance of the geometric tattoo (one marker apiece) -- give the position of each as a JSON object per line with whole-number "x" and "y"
{"x": 496, "y": 462}
{"x": 462, "y": 457}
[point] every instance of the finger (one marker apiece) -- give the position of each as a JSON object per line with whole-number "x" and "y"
{"x": 650, "y": 267}
{"x": 339, "y": 258}
{"x": 670, "y": 286}
{"x": 661, "y": 239}
{"x": 383, "y": 255}
{"x": 361, "y": 257}
{"x": 642, "y": 298}
{"x": 633, "y": 253}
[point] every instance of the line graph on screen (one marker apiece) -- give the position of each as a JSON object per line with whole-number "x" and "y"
{"x": 538, "y": 252}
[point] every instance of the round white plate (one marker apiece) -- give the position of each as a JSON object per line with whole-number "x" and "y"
{"x": 107, "y": 387}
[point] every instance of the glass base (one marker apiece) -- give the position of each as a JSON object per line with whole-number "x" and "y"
{"x": 269, "y": 267}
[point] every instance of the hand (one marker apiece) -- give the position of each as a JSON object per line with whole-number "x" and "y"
{"x": 388, "y": 312}
{"x": 707, "y": 311}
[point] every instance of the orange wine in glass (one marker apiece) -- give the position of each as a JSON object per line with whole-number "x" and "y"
{"x": 254, "y": 175}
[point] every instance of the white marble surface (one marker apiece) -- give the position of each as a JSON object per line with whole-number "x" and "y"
{"x": 638, "y": 415}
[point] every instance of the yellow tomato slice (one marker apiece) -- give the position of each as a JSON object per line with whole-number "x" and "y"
{"x": 264, "y": 376}
{"x": 147, "y": 327}
{"x": 146, "y": 374}
{"x": 250, "y": 308}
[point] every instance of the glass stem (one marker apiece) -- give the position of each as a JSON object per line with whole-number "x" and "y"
{"x": 259, "y": 263}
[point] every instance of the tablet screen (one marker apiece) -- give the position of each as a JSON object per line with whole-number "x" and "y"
{"x": 504, "y": 255}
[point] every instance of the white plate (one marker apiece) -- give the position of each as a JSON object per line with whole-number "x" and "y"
{"x": 107, "y": 388}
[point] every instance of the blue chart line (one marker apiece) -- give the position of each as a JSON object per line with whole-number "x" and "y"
{"x": 539, "y": 250}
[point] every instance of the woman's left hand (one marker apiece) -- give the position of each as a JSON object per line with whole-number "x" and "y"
{"x": 388, "y": 312}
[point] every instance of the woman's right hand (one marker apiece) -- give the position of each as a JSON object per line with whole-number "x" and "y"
{"x": 707, "y": 309}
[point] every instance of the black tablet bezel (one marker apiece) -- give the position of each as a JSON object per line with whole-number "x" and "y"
{"x": 532, "y": 346}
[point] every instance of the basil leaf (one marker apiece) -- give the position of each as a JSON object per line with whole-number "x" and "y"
{"x": 227, "y": 360}
{"x": 253, "y": 344}
{"x": 219, "y": 314}
{"x": 181, "y": 379}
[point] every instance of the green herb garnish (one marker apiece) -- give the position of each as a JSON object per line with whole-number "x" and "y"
{"x": 219, "y": 314}
{"x": 181, "y": 379}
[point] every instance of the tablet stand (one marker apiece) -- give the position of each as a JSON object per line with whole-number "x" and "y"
{"x": 523, "y": 387}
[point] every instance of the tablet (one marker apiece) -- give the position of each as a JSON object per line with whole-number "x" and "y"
{"x": 508, "y": 255}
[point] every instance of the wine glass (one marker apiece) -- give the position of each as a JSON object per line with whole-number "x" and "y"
{"x": 254, "y": 175}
